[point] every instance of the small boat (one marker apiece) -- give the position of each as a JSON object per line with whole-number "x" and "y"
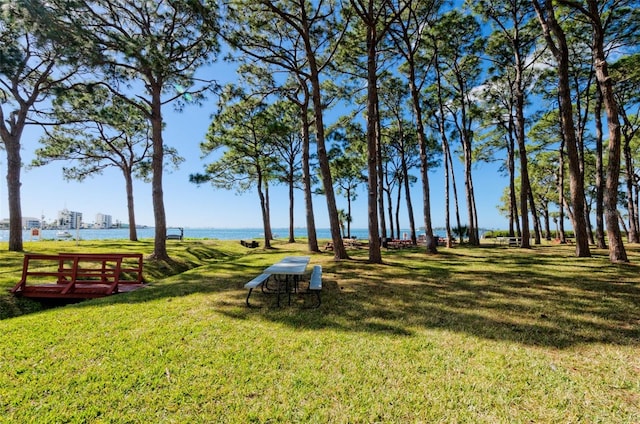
{"x": 64, "y": 234}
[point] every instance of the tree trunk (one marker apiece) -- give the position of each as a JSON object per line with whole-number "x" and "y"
{"x": 407, "y": 195}
{"x": 560, "y": 188}
{"x": 349, "y": 214}
{"x": 382, "y": 223}
{"x": 576, "y": 183}
{"x": 631, "y": 201}
{"x": 392, "y": 229}
{"x": 557, "y": 42}
{"x": 375, "y": 255}
{"x": 617, "y": 252}
{"x": 511, "y": 165}
{"x": 635, "y": 189}
{"x": 622, "y": 223}
{"x": 292, "y": 238}
{"x": 587, "y": 220}
{"x": 537, "y": 232}
{"x": 447, "y": 158}
{"x": 466, "y": 141}
{"x": 133, "y": 231}
{"x": 306, "y": 179}
{"x": 397, "y": 214}
{"x": 455, "y": 201}
{"x": 468, "y": 184}
{"x": 160, "y": 241}
{"x": 447, "y": 194}
{"x": 547, "y": 223}
{"x": 448, "y": 176}
{"x": 14, "y": 166}
{"x": 424, "y": 163}
{"x": 339, "y": 251}
{"x": 264, "y": 211}
{"x": 525, "y": 186}
{"x": 600, "y": 180}
{"x": 11, "y": 136}
{"x": 267, "y": 211}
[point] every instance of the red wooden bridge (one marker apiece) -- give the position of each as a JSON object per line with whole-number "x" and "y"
{"x": 79, "y": 275}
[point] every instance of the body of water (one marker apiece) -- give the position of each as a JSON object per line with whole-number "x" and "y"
{"x": 189, "y": 233}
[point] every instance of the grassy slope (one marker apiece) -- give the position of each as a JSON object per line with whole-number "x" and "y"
{"x": 470, "y": 335}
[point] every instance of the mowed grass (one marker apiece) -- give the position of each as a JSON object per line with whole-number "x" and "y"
{"x": 475, "y": 335}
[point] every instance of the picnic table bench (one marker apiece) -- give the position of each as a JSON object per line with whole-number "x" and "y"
{"x": 79, "y": 275}
{"x": 256, "y": 282}
{"x": 315, "y": 282}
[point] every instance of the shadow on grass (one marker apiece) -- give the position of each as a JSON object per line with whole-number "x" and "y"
{"x": 184, "y": 257}
{"x": 524, "y": 297}
{"x": 535, "y": 298}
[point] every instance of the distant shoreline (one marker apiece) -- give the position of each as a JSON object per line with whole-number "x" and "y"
{"x": 189, "y": 233}
{"x": 212, "y": 233}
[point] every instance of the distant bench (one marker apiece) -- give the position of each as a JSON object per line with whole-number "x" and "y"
{"x": 251, "y": 244}
{"x": 509, "y": 241}
{"x": 79, "y": 275}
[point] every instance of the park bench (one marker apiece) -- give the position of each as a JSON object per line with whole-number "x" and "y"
{"x": 250, "y": 244}
{"x": 315, "y": 282}
{"x": 79, "y": 275}
{"x": 175, "y": 233}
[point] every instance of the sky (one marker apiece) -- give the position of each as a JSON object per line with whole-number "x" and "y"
{"x": 44, "y": 192}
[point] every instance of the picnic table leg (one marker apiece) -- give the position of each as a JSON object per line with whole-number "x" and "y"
{"x": 250, "y": 290}
{"x": 287, "y": 287}
{"x": 278, "y": 286}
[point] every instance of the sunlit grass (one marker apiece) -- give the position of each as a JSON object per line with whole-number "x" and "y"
{"x": 489, "y": 334}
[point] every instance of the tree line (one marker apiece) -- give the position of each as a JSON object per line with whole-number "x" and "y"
{"x": 421, "y": 85}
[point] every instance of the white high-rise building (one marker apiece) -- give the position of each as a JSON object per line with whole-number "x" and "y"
{"x": 103, "y": 221}
{"x": 69, "y": 219}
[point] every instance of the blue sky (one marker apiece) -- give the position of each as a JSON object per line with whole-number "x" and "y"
{"x": 45, "y": 192}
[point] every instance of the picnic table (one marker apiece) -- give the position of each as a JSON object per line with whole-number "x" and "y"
{"x": 288, "y": 270}
{"x": 509, "y": 241}
{"x": 285, "y": 273}
{"x": 396, "y": 243}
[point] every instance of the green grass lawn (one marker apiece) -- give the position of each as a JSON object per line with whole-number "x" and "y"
{"x": 475, "y": 335}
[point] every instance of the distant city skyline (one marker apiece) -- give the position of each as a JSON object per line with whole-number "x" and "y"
{"x": 65, "y": 219}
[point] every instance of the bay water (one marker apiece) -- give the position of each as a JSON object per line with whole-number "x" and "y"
{"x": 189, "y": 233}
